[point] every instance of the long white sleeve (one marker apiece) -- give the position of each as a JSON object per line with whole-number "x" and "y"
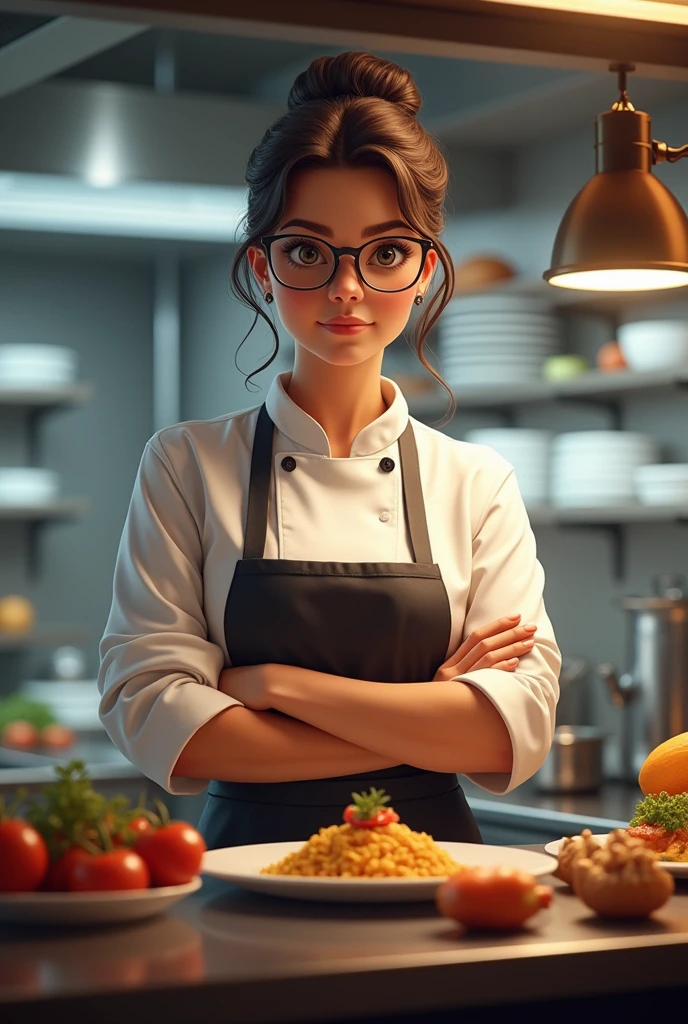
{"x": 506, "y": 577}
{"x": 158, "y": 672}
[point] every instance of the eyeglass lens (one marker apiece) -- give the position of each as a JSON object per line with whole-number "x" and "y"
{"x": 388, "y": 264}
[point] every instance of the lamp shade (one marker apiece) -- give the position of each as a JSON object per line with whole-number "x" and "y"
{"x": 624, "y": 230}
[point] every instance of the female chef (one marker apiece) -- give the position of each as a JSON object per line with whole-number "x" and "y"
{"x": 321, "y": 593}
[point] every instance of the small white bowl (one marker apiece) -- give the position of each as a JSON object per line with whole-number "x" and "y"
{"x": 665, "y": 472}
{"x": 665, "y": 484}
{"x": 654, "y": 344}
{"x": 28, "y": 486}
{"x": 666, "y": 494}
{"x": 37, "y": 365}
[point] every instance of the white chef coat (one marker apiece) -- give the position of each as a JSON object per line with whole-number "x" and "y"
{"x": 164, "y": 644}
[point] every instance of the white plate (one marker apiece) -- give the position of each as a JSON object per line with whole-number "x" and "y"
{"x": 679, "y": 870}
{"x": 86, "y": 908}
{"x": 241, "y": 865}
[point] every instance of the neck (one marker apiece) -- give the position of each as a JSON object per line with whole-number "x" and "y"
{"x": 342, "y": 399}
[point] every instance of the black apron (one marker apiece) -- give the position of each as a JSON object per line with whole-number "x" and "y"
{"x": 380, "y": 621}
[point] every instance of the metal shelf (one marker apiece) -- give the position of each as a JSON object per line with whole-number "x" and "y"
{"x": 603, "y": 515}
{"x": 36, "y": 402}
{"x": 38, "y": 515}
{"x": 594, "y": 386}
{"x": 64, "y": 508}
{"x": 609, "y": 519}
{"x": 42, "y": 636}
{"x": 46, "y": 398}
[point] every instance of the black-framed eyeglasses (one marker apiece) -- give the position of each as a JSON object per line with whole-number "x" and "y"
{"x": 391, "y": 263}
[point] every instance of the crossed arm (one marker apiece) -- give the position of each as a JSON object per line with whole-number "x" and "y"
{"x": 443, "y": 726}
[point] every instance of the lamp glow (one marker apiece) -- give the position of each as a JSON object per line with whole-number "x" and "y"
{"x": 675, "y": 13}
{"x": 621, "y": 280}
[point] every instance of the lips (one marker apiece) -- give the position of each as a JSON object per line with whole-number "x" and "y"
{"x": 343, "y": 321}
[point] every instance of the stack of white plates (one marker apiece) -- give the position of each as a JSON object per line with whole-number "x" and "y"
{"x": 496, "y": 339}
{"x": 528, "y": 451}
{"x": 28, "y": 486}
{"x": 73, "y": 703}
{"x": 597, "y": 467}
{"x": 37, "y": 366}
{"x": 665, "y": 484}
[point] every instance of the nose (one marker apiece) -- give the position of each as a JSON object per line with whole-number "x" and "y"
{"x": 346, "y": 283}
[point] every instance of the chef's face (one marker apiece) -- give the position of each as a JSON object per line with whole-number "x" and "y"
{"x": 346, "y": 202}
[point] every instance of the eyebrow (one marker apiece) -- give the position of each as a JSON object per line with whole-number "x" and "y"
{"x": 322, "y": 229}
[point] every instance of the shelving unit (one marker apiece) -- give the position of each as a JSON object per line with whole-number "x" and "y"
{"x": 35, "y": 403}
{"x": 595, "y": 387}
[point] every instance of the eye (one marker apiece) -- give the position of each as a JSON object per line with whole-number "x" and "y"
{"x": 386, "y": 253}
{"x": 306, "y": 251}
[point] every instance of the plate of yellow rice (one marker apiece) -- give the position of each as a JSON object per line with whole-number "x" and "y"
{"x": 342, "y": 863}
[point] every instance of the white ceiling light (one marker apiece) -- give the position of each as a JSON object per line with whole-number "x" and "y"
{"x": 672, "y": 13}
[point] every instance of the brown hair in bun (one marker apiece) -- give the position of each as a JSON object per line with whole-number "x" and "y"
{"x": 350, "y": 110}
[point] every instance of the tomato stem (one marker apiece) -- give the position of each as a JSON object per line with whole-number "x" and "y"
{"x": 8, "y": 812}
{"x": 163, "y": 812}
{"x": 105, "y": 837}
{"x": 86, "y": 844}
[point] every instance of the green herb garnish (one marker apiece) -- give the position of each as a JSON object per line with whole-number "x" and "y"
{"x": 662, "y": 809}
{"x": 71, "y": 811}
{"x": 367, "y": 804}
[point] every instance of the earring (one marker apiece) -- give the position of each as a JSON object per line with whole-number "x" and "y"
{"x": 418, "y": 300}
{"x": 268, "y": 297}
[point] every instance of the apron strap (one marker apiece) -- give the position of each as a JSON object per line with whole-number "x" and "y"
{"x": 259, "y": 491}
{"x": 259, "y": 487}
{"x": 414, "y": 503}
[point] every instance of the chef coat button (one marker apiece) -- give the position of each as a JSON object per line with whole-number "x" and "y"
{"x": 387, "y": 465}
{"x": 384, "y": 517}
{"x": 289, "y": 464}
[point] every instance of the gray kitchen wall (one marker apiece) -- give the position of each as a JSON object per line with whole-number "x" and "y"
{"x": 101, "y": 305}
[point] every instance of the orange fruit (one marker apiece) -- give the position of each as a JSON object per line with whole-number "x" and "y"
{"x": 666, "y": 767}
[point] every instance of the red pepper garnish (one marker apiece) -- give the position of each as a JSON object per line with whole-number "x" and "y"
{"x": 368, "y": 810}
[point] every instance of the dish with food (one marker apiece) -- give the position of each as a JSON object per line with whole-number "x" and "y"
{"x": 660, "y": 820}
{"x": 676, "y": 868}
{"x": 87, "y": 908}
{"x": 372, "y": 857}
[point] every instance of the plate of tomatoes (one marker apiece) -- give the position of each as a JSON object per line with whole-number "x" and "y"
{"x": 75, "y": 857}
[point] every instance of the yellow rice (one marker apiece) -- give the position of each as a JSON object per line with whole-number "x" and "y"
{"x": 344, "y": 851}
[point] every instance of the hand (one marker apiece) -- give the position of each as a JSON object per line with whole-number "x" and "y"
{"x": 497, "y": 645}
{"x": 248, "y": 684}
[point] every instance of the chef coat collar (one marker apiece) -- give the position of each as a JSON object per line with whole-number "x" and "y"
{"x": 291, "y": 419}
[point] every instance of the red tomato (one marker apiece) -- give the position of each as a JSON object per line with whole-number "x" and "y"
{"x": 57, "y": 877}
{"x": 23, "y": 856}
{"x": 135, "y": 828}
{"x": 57, "y": 736}
{"x": 20, "y": 734}
{"x": 385, "y": 816}
{"x": 499, "y": 897}
{"x": 115, "y": 869}
{"x": 656, "y": 836}
{"x": 172, "y": 852}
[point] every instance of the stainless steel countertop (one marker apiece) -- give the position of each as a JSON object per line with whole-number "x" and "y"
{"x": 225, "y": 954}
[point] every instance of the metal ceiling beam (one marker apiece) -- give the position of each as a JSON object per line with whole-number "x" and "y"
{"x": 59, "y": 45}
{"x": 463, "y": 29}
{"x": 107, "y": 132}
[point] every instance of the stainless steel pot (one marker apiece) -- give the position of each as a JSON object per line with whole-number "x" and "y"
{"x": 654, "y": 692}
{"x": 574, "y": 763}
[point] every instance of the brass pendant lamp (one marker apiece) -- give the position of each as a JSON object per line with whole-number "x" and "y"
{"x": 624, "y": 230}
